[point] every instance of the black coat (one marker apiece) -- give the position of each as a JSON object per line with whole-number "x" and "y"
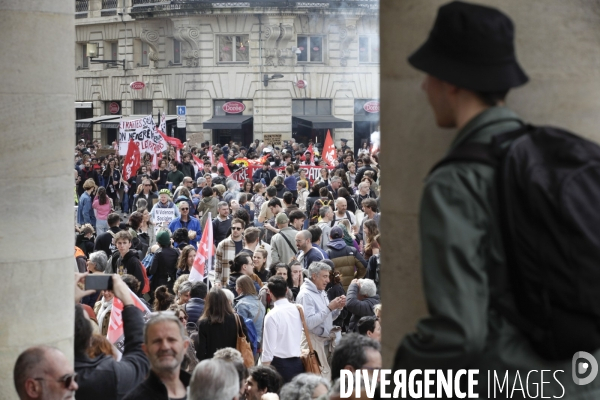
{"x": 103, "y": 378}
{"x": 164, "y": 266}
{"x": 212, "y": 337}
{"x": 104, "y": 241}
{"x": 194, "y": 308}
{"x": 131, "y": 262}
{"x": 153, "y": 388}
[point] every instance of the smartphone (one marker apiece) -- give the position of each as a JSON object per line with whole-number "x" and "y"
{"x": 98, "y": 282}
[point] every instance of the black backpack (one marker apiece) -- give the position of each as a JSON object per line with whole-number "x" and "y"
{"x": 548, "y": 185}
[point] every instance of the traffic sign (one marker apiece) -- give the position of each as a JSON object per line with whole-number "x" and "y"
{"x": 181, "y": 116}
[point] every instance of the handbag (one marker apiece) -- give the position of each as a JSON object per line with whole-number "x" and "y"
{"x": 242, "y": 344}
{"x": 310, "y": 360}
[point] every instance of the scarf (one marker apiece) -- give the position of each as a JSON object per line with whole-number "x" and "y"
{"x": 347, "y": 238}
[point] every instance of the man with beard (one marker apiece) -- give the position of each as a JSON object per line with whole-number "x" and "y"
{"x": 165, "y": 345}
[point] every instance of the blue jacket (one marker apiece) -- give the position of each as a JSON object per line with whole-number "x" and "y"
{"x": 192, "y": 225}
{"x": 85, "y": 213}
{"x": 194, "y": 308}
{"x": 250, "y": 307}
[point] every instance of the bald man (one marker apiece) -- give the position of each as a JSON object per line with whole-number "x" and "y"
{"x": 44, "y": 373}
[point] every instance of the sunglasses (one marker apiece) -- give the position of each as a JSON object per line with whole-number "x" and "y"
{"x": 66, "y": 380}
{"x": 236, "y": 229}
{"x": 182, "y": 319}
{"x": 184, "y": 209}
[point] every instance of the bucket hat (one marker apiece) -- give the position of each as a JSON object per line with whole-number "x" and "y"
{"x": 472, "y": 47}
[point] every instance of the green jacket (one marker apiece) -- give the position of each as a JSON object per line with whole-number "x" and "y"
{"x": 175, "y": 177}
{"x": 460, "y": 244}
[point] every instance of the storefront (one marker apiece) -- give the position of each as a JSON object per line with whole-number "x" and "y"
{"x": 83, "y": 110}
{"x": 86, "y": 125}
{"x": 311, "y": 118}
{"x": 232, "y": 121}
{"x": 366, "y": 121}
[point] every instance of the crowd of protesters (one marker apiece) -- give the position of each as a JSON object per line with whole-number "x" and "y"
{"x": 282, "y": 243}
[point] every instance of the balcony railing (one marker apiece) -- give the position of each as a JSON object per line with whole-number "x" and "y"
{"x": 143, "y": 6}
{"x": 81, "y": 8}
{"x": 109, "y": 7}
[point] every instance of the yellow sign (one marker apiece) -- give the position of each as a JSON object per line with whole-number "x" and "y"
{"x": 273, "y": 140}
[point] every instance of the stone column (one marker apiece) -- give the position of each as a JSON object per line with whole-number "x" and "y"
{"x": 560, "y": 53}
{"x": 36, "y": 159}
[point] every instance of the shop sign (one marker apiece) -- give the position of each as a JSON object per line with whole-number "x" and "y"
{"x": 137, "y": 85}
{"x": 372, "y": 106}
{"x": 301, "y": 84}
{"x": 234, "y": 107}
{"x": 114, "y": 107}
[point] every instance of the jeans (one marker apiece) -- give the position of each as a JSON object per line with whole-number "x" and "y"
{"x": 125, "y": 203}
{"x": 101, "y": 226}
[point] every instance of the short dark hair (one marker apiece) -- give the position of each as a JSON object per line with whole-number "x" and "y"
{"x": 366, "y": 324}
{"x": 221, "y": 170}
{"x": 83, "y": 331}
{"x": 271, "y": 191}
{"x": 238, "y": 221}
{"x": 251, "y": 234}
{"x": 135, "y": 220}
{"x": 296, "y": 214}
{"x": 198, "y": 290}
{"x": 370, "y": 203}
{"x": 266, "y": 378}
{"x": 207, "y": 191}
{"x": 351, "y": 351}
{"x": 288, "y": 197}
{"x": 242, "y": 214}
{"x": 315, "y": 233}
{"x": 277, "y": 286}
{"x": 274, "y": 202}
{"x": 181, "y": 235}
{"x": 113, "y": 219}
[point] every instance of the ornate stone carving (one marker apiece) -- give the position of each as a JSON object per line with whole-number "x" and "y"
{"x": 277, "y": 38}
{"x": 191, "y": 36}
{"x": 150, "y": 37}
{"x": 347, "y": 36}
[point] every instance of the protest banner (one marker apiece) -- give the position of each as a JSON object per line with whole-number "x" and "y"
{"x": 115, "y": 333}
{"x": 163, "y": 216}
{"x": 143, "y": 132}
{"x": 312, "y": 172}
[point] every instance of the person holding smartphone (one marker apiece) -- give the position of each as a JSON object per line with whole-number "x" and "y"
{"x": 103, "y": 377}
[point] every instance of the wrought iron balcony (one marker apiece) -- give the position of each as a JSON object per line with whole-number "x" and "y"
{"x": 109, "y": 7}
{"x": 149, "y": 8}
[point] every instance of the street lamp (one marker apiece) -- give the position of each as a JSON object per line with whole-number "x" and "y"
{"x": 92, "y": 52}
{"x": 266, "y": 78}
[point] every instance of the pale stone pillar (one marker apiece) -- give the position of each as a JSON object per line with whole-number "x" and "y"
{"x": 36, "y": 159}
{"x": 559, "y": 51}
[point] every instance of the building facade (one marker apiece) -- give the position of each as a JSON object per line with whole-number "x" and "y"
{"x": 243, "y": 69}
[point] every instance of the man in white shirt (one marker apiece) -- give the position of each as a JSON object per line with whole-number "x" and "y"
{"x": 342, "y": 213}
{"x": 282, "y": 333}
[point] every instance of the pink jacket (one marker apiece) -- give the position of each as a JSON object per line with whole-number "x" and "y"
{"x": 103, "y": 210}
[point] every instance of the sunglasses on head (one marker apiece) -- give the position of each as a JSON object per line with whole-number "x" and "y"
{"x": 66, "y": 380}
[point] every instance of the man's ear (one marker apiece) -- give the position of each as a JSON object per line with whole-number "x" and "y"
{"x": 33, "y": 388}
{"x": 145, "y": 348}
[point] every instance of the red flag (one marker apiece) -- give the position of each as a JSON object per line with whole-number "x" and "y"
{"x": 115, "y": 333}
{"x": 223, "y": 163}
{"x": 209, "y": 153}
{"x": 171, "y": 140}
{"x": 329, "y": 150}
{"x": 132, "y": 160}
{"x": 204, "y": 253}
{"x": 199, "y": 162}
{"x": 177, "y": 155}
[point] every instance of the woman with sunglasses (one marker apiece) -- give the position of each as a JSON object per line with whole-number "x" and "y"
{"x": 147, "y": 191}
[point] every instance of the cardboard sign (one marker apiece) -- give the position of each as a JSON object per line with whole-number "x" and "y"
{"x": 163, "y": 215}
{"x": 273, "y": 140}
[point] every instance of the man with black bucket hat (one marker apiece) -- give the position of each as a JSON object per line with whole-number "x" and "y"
{"x": 470, "y": 65}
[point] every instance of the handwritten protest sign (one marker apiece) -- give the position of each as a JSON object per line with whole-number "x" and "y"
{"x": 163, "y": 216}
{"x": 143, "y": 132}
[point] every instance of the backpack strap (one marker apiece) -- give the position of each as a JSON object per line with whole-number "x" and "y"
{"x": 288, "y": 242}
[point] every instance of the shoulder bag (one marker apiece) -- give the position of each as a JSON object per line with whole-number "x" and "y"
{"x": 310, "y": 361}
{"x": 242, "y": 344}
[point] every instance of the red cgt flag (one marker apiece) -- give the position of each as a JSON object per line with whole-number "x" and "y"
{"x": 223, "y": 163}
{"x": 329, "y": 150}
{"x": 204, "y": 254}
{"x": 115, "y": 333}
{"x": 132, "y": 160}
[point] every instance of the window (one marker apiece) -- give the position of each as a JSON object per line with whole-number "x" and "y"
{"x": 172, "y": 106}
{"x": 142, "y": 107}
{"x": 234, "y": 48}
{"x": 176, "y": 52}
{"x": 311, "y": 107}
{"x": 311, "y": 48}
{"x": 368, "y": 49}
{"x": 84, "y": 58}
{"x": 145, "y": 51}
{"x": 112, "y": 53}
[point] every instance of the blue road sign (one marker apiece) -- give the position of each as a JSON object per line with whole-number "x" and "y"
{"x": 181, "y": 110}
